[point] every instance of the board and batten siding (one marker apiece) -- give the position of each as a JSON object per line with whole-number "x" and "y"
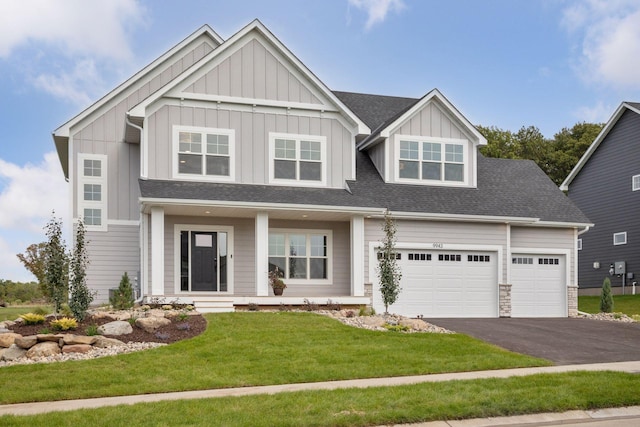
{"x": 427, "y": 232}
{"x": 103, "y": 133}
{"x": 603, "y": 191}
{"x": 377, "y": 156}
{"x": 251, "y": 140}
{"x": 254, "y": 71}
{"x": 341, "y": 259}
{"x": 110, "y": 255}
{"x": 432, "y": 121}
{"x": 545, "y": 238}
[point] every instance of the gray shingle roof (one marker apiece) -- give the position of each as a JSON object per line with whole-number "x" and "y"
{"x": 375, "y": 110}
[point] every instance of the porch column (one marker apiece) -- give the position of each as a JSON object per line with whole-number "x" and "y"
{"x": 357, "y": 256}
{"x": 262, "y": 254}
{"x": 157, "y": 250}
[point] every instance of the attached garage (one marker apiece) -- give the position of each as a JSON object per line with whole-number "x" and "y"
{"x": 445, "y": 284}
{"x": 538, "y": 285}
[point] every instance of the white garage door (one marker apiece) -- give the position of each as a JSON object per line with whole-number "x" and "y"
{"x": 538, "y": 286}
{"x": 446, "y": 284}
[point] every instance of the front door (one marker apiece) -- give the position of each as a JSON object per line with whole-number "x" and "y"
{"x": 204, "y": 261}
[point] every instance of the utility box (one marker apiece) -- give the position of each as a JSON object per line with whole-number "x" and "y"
{"x": 620, "y": 268}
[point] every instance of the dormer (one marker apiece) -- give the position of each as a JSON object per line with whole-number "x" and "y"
{"x": 427, "y": 142}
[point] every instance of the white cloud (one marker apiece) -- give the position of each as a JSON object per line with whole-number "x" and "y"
{"x": 31, "y": 192}
{"x": 74, "y": 26}
{"x": 377, "y": 10}
{"x": 78, "y": 86}
{"x": 609, "y": 33}
{"x": 598, "y": 113}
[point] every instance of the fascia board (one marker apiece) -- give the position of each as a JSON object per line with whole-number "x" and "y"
{"x": 595, "y": 144}
{"x": 171, "y": 88}
{"x": 464, "y": 218}
{"x": 64, "y": 130}
{"x": 435, "y": 93}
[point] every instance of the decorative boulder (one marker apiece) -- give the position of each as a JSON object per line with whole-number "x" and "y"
{"x": 151, "y": 324}
{"x": 414, "y": 324}
{"x": 71, "y": 339}
{"x": 43, "y": 349}
{"x": 104, "y": 342}
{"x": 118, "y": 327}
{"x": 13, "y": 353}
{"x": 77, "y": 348}
{"x": 26, "y": 342}
{"x": 373, "y": 321}
{"x": 7, "y": 339}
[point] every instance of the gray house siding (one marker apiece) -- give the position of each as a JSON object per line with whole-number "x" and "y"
{"x": 251, "y": 139}
{"x": 110, "y": 255}
{"x": 546, "y": 238}
{"x": 603, "y": 191}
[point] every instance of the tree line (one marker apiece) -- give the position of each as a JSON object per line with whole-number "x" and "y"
{"x": 555, "y": 156}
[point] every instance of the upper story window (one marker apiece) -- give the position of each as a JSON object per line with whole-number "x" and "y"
{"x": 297, "y": 159}
{"x": 635, "y": 183}
{"x": 431, "y": 160}
{"x": 204, "y": 153}
{"x": 92, "y": 190}
{"x": 620, "y": 238}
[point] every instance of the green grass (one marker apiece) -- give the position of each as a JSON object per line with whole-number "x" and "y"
{"x": 13, "y": 312}
{"x": 627, "y": 304}
{"x": 371, "y": 406}
{"x": 246, "y": 349}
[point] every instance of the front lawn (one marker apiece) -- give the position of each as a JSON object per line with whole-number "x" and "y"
{"x": 246, "y": 349}
{"x": 13, "y": 312}
{"x": 371, "y": 406}
{"x": 627, "y": 304}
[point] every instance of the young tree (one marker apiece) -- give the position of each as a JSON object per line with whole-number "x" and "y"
{"x": 56, "y": 262}
{"x": 79, "y": 295}
{"x": 388, "y": 271}
{"x": 123, "y": 296}
{"x": 606, "y": 298}
{"x": 34, "y": 260}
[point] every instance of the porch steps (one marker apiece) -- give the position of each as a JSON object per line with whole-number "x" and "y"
{"x": 213, "y": 304}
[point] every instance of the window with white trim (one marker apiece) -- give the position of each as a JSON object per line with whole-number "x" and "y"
{"x": 297, "y": 159}
{"x": 431, "y": 160}
{"x": 579, "y": 244}
{"x": 635, "y": 183}
{"x": 204, "y": 153}
{"x": 92, "y": 190}
{"x": 301, "y": 256}
{"x": 620, "y": 238}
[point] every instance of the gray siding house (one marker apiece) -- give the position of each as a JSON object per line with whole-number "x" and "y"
{"x": 224, "y": 159}
{"x": 605, "y": 185}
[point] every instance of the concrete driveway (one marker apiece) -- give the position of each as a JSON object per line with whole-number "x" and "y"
{"x": 564, "y": 341}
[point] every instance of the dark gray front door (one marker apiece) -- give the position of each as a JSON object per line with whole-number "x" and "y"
{"x": 204, "y": 264}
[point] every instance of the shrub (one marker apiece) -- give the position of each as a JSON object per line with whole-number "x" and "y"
{"x": 396, "y": 328}
{"x": 64, "y": 324}
{"x": 123, "y": 296}
{"x": 183, "y": 326}
{"x": 32, "y": 318}
{"x": 92, "y": 330}
{"x": 182, "y": 316}
{"x": 606, "y": 298}
{"x": 80, "y": 297}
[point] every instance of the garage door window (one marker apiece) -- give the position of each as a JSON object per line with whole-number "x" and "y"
{"x": 479, "y": 258}
{"x": 548, "y": 261}
{"x": 419, "y": 257}
{"x": 449, "y": 257}
{"x": 521, "y": 260}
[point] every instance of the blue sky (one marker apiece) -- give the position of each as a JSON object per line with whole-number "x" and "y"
{"x": 505, "y": 63}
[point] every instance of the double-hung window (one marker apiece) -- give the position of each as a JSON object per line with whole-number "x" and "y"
{"x": 301, "y": 256}
{"x": 431, "y": 160}
{"x": 204, "y": 153}
{"x": 297, "y": 159}
{"x": 92, "y": 190}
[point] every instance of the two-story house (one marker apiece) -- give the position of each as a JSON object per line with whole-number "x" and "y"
{"x": 224, "y": 159}
{"x": 605, "y": 185}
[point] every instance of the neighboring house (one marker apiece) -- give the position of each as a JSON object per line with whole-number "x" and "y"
{"x": 605, "y": 185}
{"x": 224, "y": 159}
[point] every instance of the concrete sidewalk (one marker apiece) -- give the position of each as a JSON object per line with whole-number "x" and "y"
{"x": 69, "y": 405}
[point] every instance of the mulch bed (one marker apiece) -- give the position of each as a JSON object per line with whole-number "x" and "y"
{"x": 175, "y": 331}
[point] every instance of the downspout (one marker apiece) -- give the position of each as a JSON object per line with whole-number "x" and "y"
{"x": 138, "y": 285}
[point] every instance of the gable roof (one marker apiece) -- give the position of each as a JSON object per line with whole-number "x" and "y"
{"x": 631, "y": 106}
{"x": 257, "y": 26}
{"x": 384, "y": 114}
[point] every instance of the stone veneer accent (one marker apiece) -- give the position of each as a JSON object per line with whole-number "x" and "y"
{"x": 368, "y": 291}
{"x": 572, "y": 300}
{"x": 505, "y": 300}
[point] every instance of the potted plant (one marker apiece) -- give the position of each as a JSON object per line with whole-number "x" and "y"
{"x": 276, "y": 282}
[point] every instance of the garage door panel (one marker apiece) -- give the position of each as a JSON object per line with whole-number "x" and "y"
{"x": 446, "y": 284}
{"x": 538, "y": 286}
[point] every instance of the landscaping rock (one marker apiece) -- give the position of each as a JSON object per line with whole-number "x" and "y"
{"x": 6, "y": 324}
{"x": 13, "y": 353}
{"x": 151, "y": 324}
{"x": 71, "y": 339}
{"x": 48, "y": 337}
{"x": 26, "y": 342}
{"x": 414, "y": 324}
{"x": 104, "y": 342}
{"x": 43, "y": 349}
{"x": 375, "y": 321}
{"x": 118, "y": 327}
{"x": 7, "y": 339}
{"x": 77, "y": 348}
